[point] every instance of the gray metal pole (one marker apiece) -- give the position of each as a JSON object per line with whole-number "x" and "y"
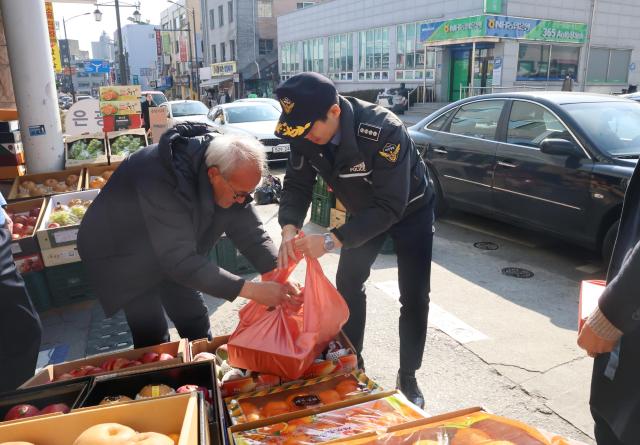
{"x": 190, "y": 57}
{"x": 196, "y": 76}
{"x": 70, "y": 74}
{"x": 123, "y": 69}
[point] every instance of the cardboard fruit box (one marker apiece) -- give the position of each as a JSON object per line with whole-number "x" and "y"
{"x": 93, "y": 172}
{"x": 68, "y": 393}
{"x": 50, "y": 373}
{"x": 342, "y": 364}
{"x": 169, "y": 415}
{"x": 97, "y": 156}
{"x": 19, "y": 191}
{"x": 28, "y": 244}
{"x": 114, "y": 139}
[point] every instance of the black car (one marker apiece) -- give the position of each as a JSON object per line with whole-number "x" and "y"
{"x": 553, "y": 161}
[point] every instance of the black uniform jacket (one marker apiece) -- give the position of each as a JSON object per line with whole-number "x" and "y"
{"x": 156, "y": 220}
{"x": 377, "y": 173}
{"x": 615, "y": 385}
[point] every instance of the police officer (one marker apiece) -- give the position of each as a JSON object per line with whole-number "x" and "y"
{"x": 20, "y": 328}
{"x": 365, "y": 154}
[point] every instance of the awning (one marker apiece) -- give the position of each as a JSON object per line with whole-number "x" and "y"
{"x": 214, "y": 82}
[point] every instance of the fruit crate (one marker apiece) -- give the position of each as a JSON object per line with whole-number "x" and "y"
{"x": 36, "y": 283}
{"x": 321, "y": 188}
{"x": 226, "y": 255}
{"x": 321, "y": 210}
{"x": 68, "y": 284}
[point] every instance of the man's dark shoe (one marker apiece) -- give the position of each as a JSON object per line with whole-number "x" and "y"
{"x": 409, "y": 387}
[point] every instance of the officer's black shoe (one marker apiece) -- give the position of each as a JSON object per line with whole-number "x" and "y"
{"x": 409, "y": 387}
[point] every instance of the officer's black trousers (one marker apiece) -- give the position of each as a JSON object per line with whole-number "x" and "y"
{"x": 413, "y": 238}
{"x": 20, "y": 328}
{"x": 185, "y": 307}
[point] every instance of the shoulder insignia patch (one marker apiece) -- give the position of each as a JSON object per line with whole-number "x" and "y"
{"x": 390, "y": 152}
{"x": 370, "y": 132}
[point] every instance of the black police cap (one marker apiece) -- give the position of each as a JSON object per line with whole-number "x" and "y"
{"x": 305, "y": 98}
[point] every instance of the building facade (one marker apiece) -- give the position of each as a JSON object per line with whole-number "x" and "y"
{"x": 103, "y": 48}
{"x": 73, "y": 51}
{"x": 243, "y": 32}
{"x": 464, "y": 47}
{"x": 139, "y": 47}
{"x": 181, "y": 56}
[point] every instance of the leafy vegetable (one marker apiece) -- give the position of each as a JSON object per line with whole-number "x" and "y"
{"x": 126, "y": 144}
{"x": 80, "y": 150}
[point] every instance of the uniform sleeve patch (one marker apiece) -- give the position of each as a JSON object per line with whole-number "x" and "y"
{"x": 390, "y": 152}
{"x": 370, "y": 132}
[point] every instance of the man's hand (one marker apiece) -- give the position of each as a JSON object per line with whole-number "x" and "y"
{"x": 312, "y": 246}
{"x": 8, "y": 223}
{"x": 592, "y": 343}
{"x": 268, "y": 293}
{"x": 286, "y": 251}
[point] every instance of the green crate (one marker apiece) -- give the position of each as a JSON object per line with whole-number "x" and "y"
{"x": 226, "y": 255}
{"x": 321, "y": 188}
{"x": 68, "y": 284}
{"x": 36, "y": 283}
{"x": 388, "y": 248}
{"x": 321, "y": 210}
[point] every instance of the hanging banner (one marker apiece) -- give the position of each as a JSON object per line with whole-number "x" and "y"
{"x": 53, "y": 41}
{"x": 158, "y": 43}
{"x": 166, "y": 43}
{"x": 223, "y": 69}
{"x": 183, "y": 50}
{"x": 504, "y": 27}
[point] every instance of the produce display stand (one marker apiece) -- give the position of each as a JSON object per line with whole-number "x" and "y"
{"x": 40, "y": 178}
{"x": 86, "y": 158}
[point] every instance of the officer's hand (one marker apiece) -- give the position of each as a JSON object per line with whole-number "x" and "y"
{"x": 592, "y": 343}
{"x": 286, "y": 251}
{"x": 294, "y": 289}
{"x": 311, "y": 246}
{"x": 8, "y": 222}
{"x": 268, "y": 293}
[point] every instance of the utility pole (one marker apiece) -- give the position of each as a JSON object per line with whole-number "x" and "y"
{"x": 123, "y": 68}
{"x": 68, "y": 51}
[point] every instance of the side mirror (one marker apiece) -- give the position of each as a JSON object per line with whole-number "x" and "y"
{"x": 560, "y": 147}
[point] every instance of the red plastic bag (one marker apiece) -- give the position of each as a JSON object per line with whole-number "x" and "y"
{"x": 285, "y": 340}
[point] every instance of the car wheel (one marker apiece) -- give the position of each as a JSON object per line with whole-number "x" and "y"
{"x": 440, "y": 207}
{"x": 608, "y": 241}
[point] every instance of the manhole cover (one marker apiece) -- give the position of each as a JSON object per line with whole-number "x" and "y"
{"x": 485, "y": 245}
{"x": 517, "y": 272}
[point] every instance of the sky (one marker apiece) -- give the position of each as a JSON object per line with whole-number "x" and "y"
{"x": 86, "y": 29}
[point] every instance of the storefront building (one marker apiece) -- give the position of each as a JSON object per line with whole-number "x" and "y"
{"x": 503, "y": 45}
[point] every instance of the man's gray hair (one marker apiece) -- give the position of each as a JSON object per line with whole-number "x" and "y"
{"x": 228, "y": 151}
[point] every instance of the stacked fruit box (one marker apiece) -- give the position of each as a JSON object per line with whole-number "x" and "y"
{"x": 12, "y": 160}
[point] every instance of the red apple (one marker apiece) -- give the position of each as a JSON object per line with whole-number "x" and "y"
{"x": 15, "y": 236}
{"x": 202, "y": 356}
{"x": 65, "y": 376}
{"x": 32, "y": 220}
{"x": 132, "y": 363}
{"x": 34, "y": 212}
{"x": 107, "y": 365}
{"x": 193, "y": 388}
{"x": 149, "y": 357}
{"x": 94, "y": 370}
{"x": 18, "y": 227}
{"x": 120, "y": 363}
{"x": 56, "y": 408}
{"x": 53, "y": 225}
{"x": 21, "y": 411}
{"x": 28, "y": 230}
{"x": 164, "y": 356}
{"x": 20, "y": 219}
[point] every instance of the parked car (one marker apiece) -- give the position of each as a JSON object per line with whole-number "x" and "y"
{"x": 80, "y": 97}
{"x": 553, "y": 161}
{"x": 264, "y": 100}
{"x": 185, "y": 111}
{"x": 157, "y": 96}
{"x": 257, "y": 119}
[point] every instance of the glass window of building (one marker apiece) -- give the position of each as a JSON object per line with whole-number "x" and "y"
{"x": 221, "y": 15}
{"x": 289, "y": 59}
{"x": 374, "y": 54}
{"x": 410, "y": 54}
{"x": 608, "y": 65}
{"x": 212, "y": 18}
{"x": 265, "y": 46}
{"x": 232, "y": 50}
{"x": 547, "y": 62}
{"x": 214, "y": 56}
{"x": 223, "y": 52}
{"x": 301, "y": 5}
{"x": 230, "y": 11}
{"x": 341, "y": 57}
{"x": 313, "y": 55}
{"x": 265, "y": 8}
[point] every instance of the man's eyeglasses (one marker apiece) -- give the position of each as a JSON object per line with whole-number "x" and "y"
{"x": 237, "y": 195}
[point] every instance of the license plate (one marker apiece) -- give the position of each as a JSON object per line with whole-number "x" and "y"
{"x": 282, "y": 148}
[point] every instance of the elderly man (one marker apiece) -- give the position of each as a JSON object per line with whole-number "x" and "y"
{"x": 145, "y": 239}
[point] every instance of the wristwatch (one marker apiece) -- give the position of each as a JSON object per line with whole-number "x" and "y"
{"x": 329, "y": 244}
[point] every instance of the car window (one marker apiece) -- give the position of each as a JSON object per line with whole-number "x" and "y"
{"x": 256, "y": 113}
{"x": 438, "y": 122}
{"x": 186, "y": 108}
{"x": 530, "y": 124}
{"x": 478, "y": 119}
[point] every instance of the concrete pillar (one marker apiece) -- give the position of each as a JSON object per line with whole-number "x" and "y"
{"x": 25, "y": 27}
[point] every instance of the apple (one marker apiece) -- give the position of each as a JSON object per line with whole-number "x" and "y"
{"x": 203, "y": 356}
{"x": 18, "y": 227}
{"x": 15, "y": 236}
{"x": 164, "y": 356}
{"x": 120, "y": 362}
{"x": 34, "y": 212}
{"x": 194, "y": 388}
{"x": 20, "y": 219}
{"x": 53, "y": 225}
{"x": 107, "y": 365}
{"x": 32, "y": 220}
{"x": 132, "y": 363}
{"x": 149, "y": 357}
{"x": 65, "y": 376}
{"x": 94, "y": 370}
{"x": 56, "y": 408}
{"x": 28, "y": 230}
{"x": 21, "y": 411}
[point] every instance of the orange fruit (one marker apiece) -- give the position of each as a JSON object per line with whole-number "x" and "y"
{"x": 347, "y": 388}
{"x": 329, "y": 396}
{"x": 275, "y": 408}
{"x": 249, "y": 408}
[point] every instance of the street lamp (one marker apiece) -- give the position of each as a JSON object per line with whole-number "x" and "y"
{"x": 64, "y": 25}
{"x": 194, "y": 73}
{"x": 97, "y": 13}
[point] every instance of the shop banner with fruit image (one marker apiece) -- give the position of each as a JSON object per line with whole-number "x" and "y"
{"x": 118, "y": 100}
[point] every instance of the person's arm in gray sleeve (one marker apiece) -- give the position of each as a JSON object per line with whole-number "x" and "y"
{"x": 297, "y": 191}
{"x": 248, "y": 234}
{"x": 391, "y": 179}
{"x": 168, "y": 223}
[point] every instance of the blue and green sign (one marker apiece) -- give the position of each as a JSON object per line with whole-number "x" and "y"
{"x": 504, "y": 27}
